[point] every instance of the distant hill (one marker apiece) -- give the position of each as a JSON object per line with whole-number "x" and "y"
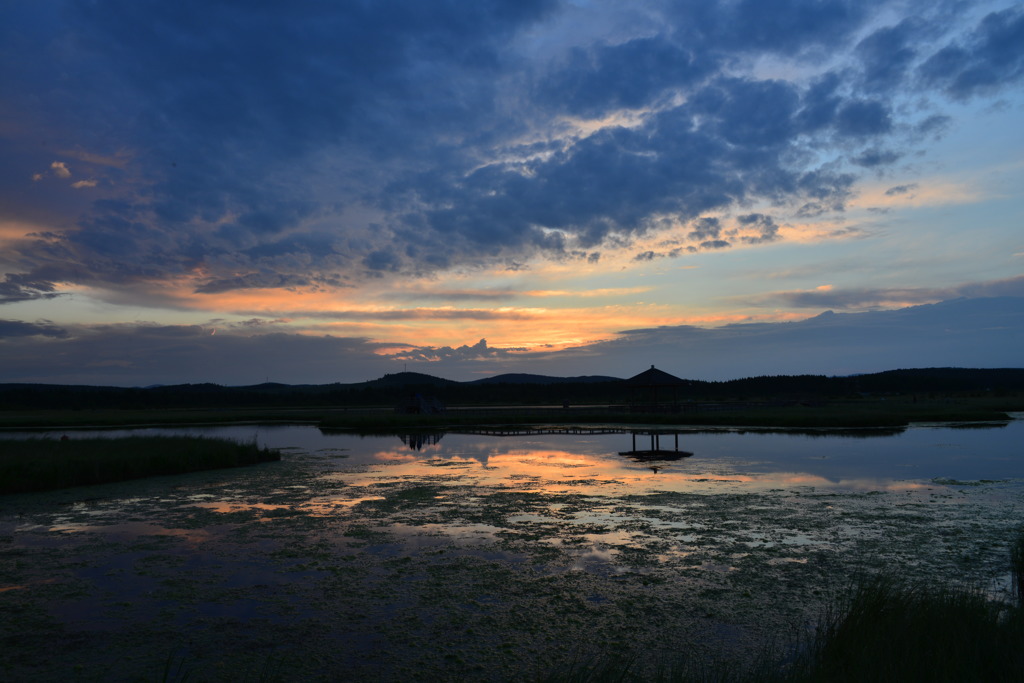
{"x": 403, "y": 379}
{"x": 523, "y": 378}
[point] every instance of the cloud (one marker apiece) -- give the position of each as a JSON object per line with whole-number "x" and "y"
{"x": 60, "y": 169}
{"x": 477, "y": 352}
{"x": 989, "y": 58}
{"x": 705, "y": 228}
{"x": 17, "y": 288}
{"x": 900, "y": 189}
{"x": 767, "y": 230}
{"x": 888, "y": 54}
{"x": 868, "y": 298}
{"x": 419, "y": 314}
{"x": 293, "y": 145}
{"x": 10, "y": 329}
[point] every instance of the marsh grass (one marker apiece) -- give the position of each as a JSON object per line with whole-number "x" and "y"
{"x": 888, "y": 631}
{"x": 1017, "y": 570}
{"x": 28, "y": 465}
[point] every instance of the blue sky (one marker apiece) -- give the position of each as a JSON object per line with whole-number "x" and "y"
{"x": 314, "y": 191}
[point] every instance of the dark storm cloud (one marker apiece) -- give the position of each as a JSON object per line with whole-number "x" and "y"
{"x": 314, "y": 143}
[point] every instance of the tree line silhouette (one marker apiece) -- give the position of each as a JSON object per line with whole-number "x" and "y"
{"x": 511, "y": 390}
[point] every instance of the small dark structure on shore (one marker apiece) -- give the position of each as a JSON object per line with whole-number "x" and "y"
{"x": 655, "y": 391}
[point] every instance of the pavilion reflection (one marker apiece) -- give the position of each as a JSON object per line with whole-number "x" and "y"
{"x": 418, "y": 442}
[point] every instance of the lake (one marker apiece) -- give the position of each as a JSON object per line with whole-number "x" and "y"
{"x": 490, "y": 557}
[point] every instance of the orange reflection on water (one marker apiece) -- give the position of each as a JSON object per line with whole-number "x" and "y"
{"x": 396, "y": 456}
{"x": 552, "y": 470}
{"x": 348, "y": 502}
{"x": 23, "y": 586}
{"x": 225, "y": 506}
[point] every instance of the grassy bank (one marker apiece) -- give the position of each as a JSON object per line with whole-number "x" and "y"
{"x": 44, "y": 464}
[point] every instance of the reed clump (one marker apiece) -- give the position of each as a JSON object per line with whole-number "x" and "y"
{"x": 28, "y": 465}
{"x": 892, "y": 632}
{"x": 1017, "y": 570}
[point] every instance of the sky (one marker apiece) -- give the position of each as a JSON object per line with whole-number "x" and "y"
{"x": 316, "y": 191}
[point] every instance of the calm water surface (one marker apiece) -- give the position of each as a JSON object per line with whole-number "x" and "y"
{"x": 867, "y": 459}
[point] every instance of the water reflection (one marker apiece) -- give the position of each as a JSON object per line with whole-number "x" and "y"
{"x": 567, "y": 457}
{"x": 418, "y": 442}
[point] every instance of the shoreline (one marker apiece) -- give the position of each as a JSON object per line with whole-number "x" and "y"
{"x": 838, "y": 414}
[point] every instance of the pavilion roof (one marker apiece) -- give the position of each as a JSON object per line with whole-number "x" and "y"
{"x": 655, "y": 378}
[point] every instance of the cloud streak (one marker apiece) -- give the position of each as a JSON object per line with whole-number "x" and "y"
{"x": 867, "y": 298}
